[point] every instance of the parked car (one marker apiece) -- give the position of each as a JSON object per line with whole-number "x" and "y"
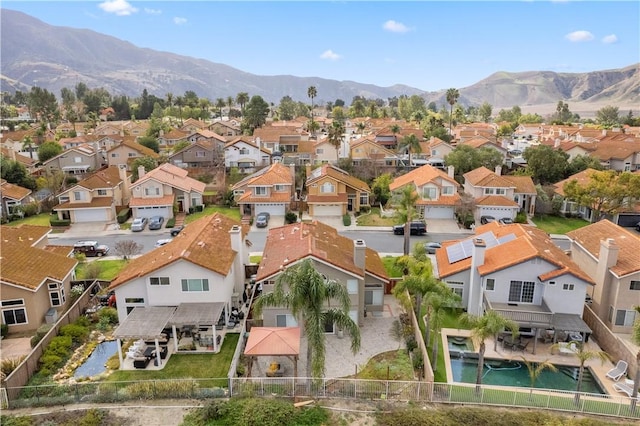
{"x": 262, "y": 219}
{"x": 417, "y": 227}
{"x": 163, "y": 241}
{"x": 156, "y": 222}
{"x": 506, "y": 221}
{"x": 638, "y": 226}
{"x": 487, "y": 219}
{"x": 90, "y": 248}
{"x": 139, "y": 224}
{"x": 432, "y": 246}
{"x": 176, "y": 230}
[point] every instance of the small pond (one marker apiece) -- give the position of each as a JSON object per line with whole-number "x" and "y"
{"x": 95, "y": 363}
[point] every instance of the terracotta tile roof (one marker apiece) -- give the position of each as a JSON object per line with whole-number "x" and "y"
{"x": 487, "y": 178}
{"x": 339, "y": 175}
{"x": 420, "y": 177}
{"x": 106, "y": 178}
{"x": 95, "y": 202}
{"x": 273, "y": 341}
{"x": 12, "y": 191}
{"x": 444, "y": 200}
{"x": 62, "y": 250}
{"x": 495, "y": 200}
{"x": 248, "y": 142}
{"x": 615, "y": 150}
{"x": 173, "y": 176}
{"x": 340, "y": 198}
{"x": 582, "y": 178}
{"x": 275, "y": 197}
{"x": 20, "y": 158}
{"x": 175, "y": 134}
{"x": 166, "y": 200}
{"x": 529, "y": 243}
{"x": 479, "y": 142}
{"x": 523, "y": 184}
{"x": 277, "y": 173}
{"x": 26, "y": 234}
{"x": 272, "y": 134}
{"x": 589, "y": 238}
{"x": 143, "y": 150}
{"x": 205, "y": 242}
{"x": 208, "y": 134}
{"x": 291, "y": 243}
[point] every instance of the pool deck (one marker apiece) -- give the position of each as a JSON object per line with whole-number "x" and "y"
{"x": 543, "y": 353}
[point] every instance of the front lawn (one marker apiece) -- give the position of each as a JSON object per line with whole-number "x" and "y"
{"x": 109, "y": 269}
{"x": 558, "y": 225}
{"x": 41, "y": 219}
{"x": 373, "y": 218}
{"x": 233, "y": 213}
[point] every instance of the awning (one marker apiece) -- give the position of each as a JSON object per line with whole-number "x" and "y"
{"x": 570, "y": 322}
{"x": 145, "y": 323}
{"x": 197, "y": 314}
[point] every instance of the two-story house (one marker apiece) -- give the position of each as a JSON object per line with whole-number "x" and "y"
{"x": 571, "y": 207}
{"x": 519, "y": 272}
{"x": 366, "y": 150}
{"x": 226, "y": 129}
{"x": 78, "y": 161}
{"x": 349, "y": 262}
{"x": 168, "y": 140}
{"x": 95, "y": 198}
{"x": 156, "y": 192}
{"x": 333, "y": 192}
{"x": 35, "y": 278}
{"x": 269, "y": 190}
{"x": 437, "y": 191}
{"x": 13, "y": 197}
{"x": 24, "y": 159}
{"x": 610, "y": 254}
{"x": 245, "y": 155}
{"x": 201, "y": 156}
{"x": 494, "y": 194}
{"x": 127, "y": 151}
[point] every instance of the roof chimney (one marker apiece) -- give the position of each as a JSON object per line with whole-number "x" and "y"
{"x": 498, "y": 170}
{"x": 450, "y": 171}
{"x": 474, "y": 301}
{"x": 359, "y": 254}
{"x": 141, "y": 172}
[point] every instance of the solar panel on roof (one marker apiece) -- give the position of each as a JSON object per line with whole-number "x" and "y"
{"x": 464, "y": 249}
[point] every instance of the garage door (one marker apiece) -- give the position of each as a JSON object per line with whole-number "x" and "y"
{"x": 436, "y": 212}
{"x": 272, "y": 209}
{"x": 91, "y": 215}
{"x": 628, "y": 220}
{"x": 498, "y": 212}
{"x": 328, "y": 210}
{"x": 153, "y": 211}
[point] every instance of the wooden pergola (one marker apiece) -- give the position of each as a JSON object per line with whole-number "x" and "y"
{"x": 273, "y": 341}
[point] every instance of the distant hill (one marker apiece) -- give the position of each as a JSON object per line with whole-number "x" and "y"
{"x": 35, "y": 53}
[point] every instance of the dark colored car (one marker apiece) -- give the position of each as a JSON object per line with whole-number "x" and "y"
{"x": 486, "y": 219}
{"x": 156, "y": 222}
{"x": 638, "y": 226}
{"x": 432, "y": 246}
{"x": 417, "y": 227}
{"x": 506, "y": 221}
{"x": 262, "y": 220}
{"x": 176, "y": 230}
{"x": 90, "y": 248}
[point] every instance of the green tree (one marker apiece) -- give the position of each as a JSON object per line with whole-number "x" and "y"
{"x": 335, "y": 136}
{"x": 546, "y": 164}
{"x": 220, "y": 104}
{"x": 482, "y": 327}
{"x": 255, "y": 113}
{"x": 48, "y": 150}
{"x": 27, "y": 143}
{"x": 149, "y": 163}
{"x": 580, "y": 163}
{"x": 608, "y": 117}
{"x": 465, "y": 158}
{"x": 150, "y": 142}
{"x": 42, "y": 104}
{"x": 309, "y": 297}
{"x": 485, "y": 112}
{"x": 407, "y": 212}
{"x": 535, "y": 369}
{"x": 287, "y": 108}
{"x": 410, "y": 143}
{"x": 583, "y": 356}
{"x": 241, "y": 99}
{"x": 337, "y": 113}
{"x": 180, "y": 146}
{"x": 16, "y": 173}
{"x": 438, "y": 302}
{"x": 312, "y": 92}
{"x": 452, "y": 97}
{"x": 380, "y": 188}
{"x": 606, "y": 192}
{"x": 418, "y": 279}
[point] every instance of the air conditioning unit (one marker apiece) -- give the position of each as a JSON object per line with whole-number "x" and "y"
{"x": 51, "y": 317}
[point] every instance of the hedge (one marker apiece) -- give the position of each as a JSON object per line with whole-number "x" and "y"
{"x": 54, "y": 221}
{"x": 171, "y": 223}
{"x": 124, "y": 215}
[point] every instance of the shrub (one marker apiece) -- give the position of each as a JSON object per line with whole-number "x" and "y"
{"x": 77, "y": 332}
{"x": 290, "y": 217}
{"x": 92, "y": 271}
{"x": 9, "y": 364}
{"x": 71, "y": 180}
{"x": 521, "y": 217}
{"x": 4, "y": 330}
{"x": 418, "y": 362}
{"x": 111, "y": 315}
{"x": 346, "y": 219}
{"x": 411, "y": 343}
{"x": 40, "y": 333}
{"x": 54, "y": 221}
{"x": 76, "y": 291}
{"x": 59, "y": 346}
{"x": 124, "y": 215}
{"x": 171, "y": 223}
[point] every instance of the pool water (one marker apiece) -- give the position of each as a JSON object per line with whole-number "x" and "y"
{"x": 460, "y": 344}
{"x": 515, "y": 373}
{"x": 95, "y": 363}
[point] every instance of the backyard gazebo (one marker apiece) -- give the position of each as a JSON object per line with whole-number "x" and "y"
{"x": 273, "y": 341}
{"x": 196, "y": 315}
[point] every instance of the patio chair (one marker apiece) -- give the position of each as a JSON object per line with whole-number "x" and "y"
{"x": 568, "y": 349}
{"x": 625, "y": 388}
{"x": 618, "y": 371}
{"x": 522, "y": 346}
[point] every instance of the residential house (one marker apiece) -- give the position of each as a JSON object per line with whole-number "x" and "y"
{"x": 167, "y": 141}
{"x": 13, "y": 197}
{"x": 191, "y": 125}
{"x": 24, "y": 159}
{"x": 494, "y": 194}
{"x": 609, "y": 253}
{"x": 478, "y": 142}
{"x": 437, "y": 191}
{"x": 79, "y": 161}
{"x": 366, "y": 150}
{"x": 269, "y": 190}
{"x": 349, "y": 262}
{"x": 333, "y": 192}
{"x": 517, "y": 271}
{"x": 35, "y": 279}
{"x": 15, "y": 141}
{"x": 199, "y": 157}
{"x": 208, "y": 136}
{"x": 435, "y": 150}
{"x": 225, "y": 129}
{"x": 97, "y": 197}
{"x": 135, "y": 128}
{"x": 570, "y": 207}
{"x": 619, "y": 154}
{"x": 324, "y": 152}
{"x": 156, "y": 192}
{"x": 204, "y": 264}
{"x": 107, "y": 129}
{"x": 127, "y": 151}
{"x": 528, "y": 131}
{"x": 245, "y": 155}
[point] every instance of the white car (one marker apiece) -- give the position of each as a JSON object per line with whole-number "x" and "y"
{"x": 162, "y": 242}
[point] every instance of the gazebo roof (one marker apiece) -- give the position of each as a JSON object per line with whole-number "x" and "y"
{"x": 146, "y": 323}
{"x": 273, "y": 341}
{"x": 197, "y": 313}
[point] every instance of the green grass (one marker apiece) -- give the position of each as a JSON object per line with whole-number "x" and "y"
{"x": 451, "y": 320}
{"x": 184, "y": 366}
{"x": 395, "y": 364}
{"x": 109, "y": 269}
{"x": 390, "y": 265}
{"x": 41, "y": 219}
{"x": 233, "y": 213}
{"x": 373, "y": 218}
{"x": 557, "y": 224}
{"x": 255, "y": 259}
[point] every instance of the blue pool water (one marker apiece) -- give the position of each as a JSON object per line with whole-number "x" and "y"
{"x": 95, "y": 363}
{"x": 515, "y": 373}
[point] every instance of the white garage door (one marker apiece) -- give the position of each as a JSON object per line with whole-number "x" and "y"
{"x": 437, "y": 212}
{"x": 91, "y": 215}
{"x": 153, "y": 211}
{"x": 498, "y": 212}
{"x": 272, "y": 209}
{"x": 328, "y": 210}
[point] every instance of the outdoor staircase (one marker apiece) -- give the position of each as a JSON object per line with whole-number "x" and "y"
{"x": 180, "y": 219}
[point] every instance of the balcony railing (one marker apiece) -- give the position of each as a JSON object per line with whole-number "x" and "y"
{"x": 535, "y": 316}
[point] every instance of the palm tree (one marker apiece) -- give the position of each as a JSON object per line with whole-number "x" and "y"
{"x": 307, "y": 294}
{"x": 241, "y": 99}
{"x": 452, "y": 98}
{"x": 335, "y": 136}
{"x": 169, "y": 99}
{"x": 410, "y": 143}
{"x": 312, "y": 92}
{"x": 27, "y": 143}
{"x": 230, "y": 102}
{"x": 483, "y": 327}
{"x": 220, "y": 103}
{"x": 395, "y": 129}
{"x": 407, "y": 212}
{"x": 361, "y": 126}
{"x": 438, "y": 302}
{"x": 535, "y": 369}
{"x": 418, "y": 279}
{"x": 180, "y": 103}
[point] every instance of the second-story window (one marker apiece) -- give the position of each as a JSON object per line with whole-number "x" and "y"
{"x": 261, "y": 190}
{"x": 200, "y": 154}
{"x": 429, "y": 193}
{"x": 77, "y": 195}
{"x": 327, "y": 187}
{"x": 447, "y": 190}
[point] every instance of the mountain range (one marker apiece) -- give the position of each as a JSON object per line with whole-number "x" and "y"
{"x": 34, "y": 53}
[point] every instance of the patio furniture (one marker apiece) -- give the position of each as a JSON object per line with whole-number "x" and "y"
{"x": 275, "y": 370}
{"x": 141, "y": 362}
{"x": 510, "y": 342}
{"x": 618, "y": 371}
{"x": 567, "y": 348}
{"x": 625, "y": 388}
{"x": 522, "y": 347}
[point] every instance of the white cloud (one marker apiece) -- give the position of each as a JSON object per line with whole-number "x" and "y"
{"x": 578, "y": 36}
{"x": 395, "y": 27}
{"x": 149, "y": 11}
{"x": 179, "y": 21}
{"x": 330, "y": 55}
{"x": 610, "y": 39}
{"x": 119, "y": 7}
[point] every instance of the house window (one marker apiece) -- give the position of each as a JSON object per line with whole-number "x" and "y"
{"x": 244, "y": 151}
{"x": 327, "y": 188}
{"x": 159, "y": 281}
{"x": 489, "y": 191}
{"x": 200, "y": 154}
{"x": 132, "y": 154}
{"x": 490, "y": 284}
{"x": 56, "y": 294}
{"x": 279, "y": 188}
{"x": 458, "y": 291}
{"x": 197, "y": 284}
{"x": 501, "y": 191}
{"x": 77, "y": 159}
{"x": 552, "y": 283}
{"x": 429, "y": 193}
{"x": 319, "y": 151}
{"x": 102, "y": 192}
{"x": 77, "y": 195}
{"x": 352, "y": 286}
{"x": 286, "y": 320}
{"x": 152, "y": 191}
{"x": 625, "y": 318}
{"x": 329, "y": 327}
{"x": 447, "y": 190}
{"x": 634, "y": 285}
{"x": 114, "y": 155}
{"x": 521, "y": 291}
{"x": 568, "y": 287}
{"x": 364, "y": 199}
{"x": 133, "y": 300}
{"x": 260, "y": 190}
{"x": 16, "y": 314}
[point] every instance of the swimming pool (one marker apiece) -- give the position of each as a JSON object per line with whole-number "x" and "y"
{"x": 459, "y": 344}
{"x": 515, "y": 373}
{"x": 95, "y": 363}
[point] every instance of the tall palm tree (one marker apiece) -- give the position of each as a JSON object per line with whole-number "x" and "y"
{"x": 180, "y": 103}
{"x": 169, "y": 99}
{"x": 307, "y": 294}
{"x": 452, "y": 98}
{"x": 438, "y": 301}
{"x": 407, "y": 212}
{"x": 483, "y": 327}
{"x": 27, "y": 143}
{"x": 220, "y": 103}
{"x": 312, "y": 92}
{"x": 535, "y": 369}
{"x": 361, "y": 126}
{"x": 241, "y": 99}
{"x": 418, "y": 280}
{"x": 230, "y": 102}
{"x": 395, "y": 129}
{"x": 410, "y": 143}
{"x": 335, "y": 136}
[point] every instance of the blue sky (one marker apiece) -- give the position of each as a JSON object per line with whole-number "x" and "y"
{"x": 430, "y": 45}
